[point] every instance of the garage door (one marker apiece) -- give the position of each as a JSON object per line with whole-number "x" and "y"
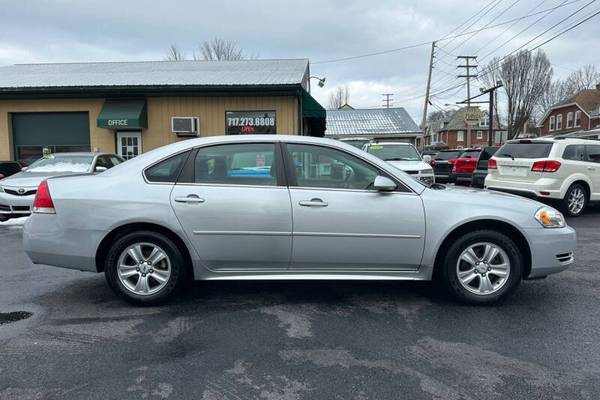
{"x": 57, "y": 132}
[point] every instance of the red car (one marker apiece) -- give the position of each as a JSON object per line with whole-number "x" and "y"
{"x": 463, "y": 167}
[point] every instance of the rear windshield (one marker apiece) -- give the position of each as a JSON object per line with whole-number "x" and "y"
{"x": 524, "y": 150}
{"x": 471, "y": 154}
{"x": 447, "y": 155}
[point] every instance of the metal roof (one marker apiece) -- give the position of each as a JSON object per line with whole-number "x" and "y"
{"x": 373, "y": 122}
{"x": 155, "y": 73}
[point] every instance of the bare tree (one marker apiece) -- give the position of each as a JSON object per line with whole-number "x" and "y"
{"x": 174, "y": 54}
{"x": 526, "y": 78}
{"x": 586, "y": 77}
{"x": 338, "y": 98}
{"x": 220, "y": 50}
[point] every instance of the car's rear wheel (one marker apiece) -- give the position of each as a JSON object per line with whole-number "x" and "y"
{"x": 482, "y": 267}
{"x": 146, "y": 268}
{"x": 575, "y": 200}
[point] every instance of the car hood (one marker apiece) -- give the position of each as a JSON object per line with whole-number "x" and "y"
{"x": 410, "y": 165}
{"x": 32, "y": 179}
{"x": 490, "y": 198}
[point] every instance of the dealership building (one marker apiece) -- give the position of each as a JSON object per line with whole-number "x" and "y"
{"x": 132, "y": 107}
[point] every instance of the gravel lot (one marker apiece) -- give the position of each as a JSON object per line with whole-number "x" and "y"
{"x": 298, "y": 340}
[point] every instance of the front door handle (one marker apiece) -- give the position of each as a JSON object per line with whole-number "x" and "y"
{"x": 591, "y": 169}
{"x": 313, "y": 203}
{"x": 190, "y": 199}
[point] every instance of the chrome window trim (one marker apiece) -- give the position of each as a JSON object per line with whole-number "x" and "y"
{"x": 249, "y": 233}
{"x": 350, "y": 190}
{"x": 230, "y": 185}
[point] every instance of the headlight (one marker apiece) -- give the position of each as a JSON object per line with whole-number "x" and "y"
{"x": 427, "y": 171}
{"x": 1, "y": 190}
{"x": 548, "y": 217}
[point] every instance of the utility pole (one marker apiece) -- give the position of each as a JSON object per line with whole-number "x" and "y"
{"x": 468, "y": 75}
{"x": 387, "y": 99}
{"x": 492, "y": 92}
{"x": 426, "y": 103}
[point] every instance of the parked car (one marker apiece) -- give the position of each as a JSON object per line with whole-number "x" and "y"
{"x": 17, "y": 191}
{"x": 8, "y": 168}
{"x": 463, "y": 166}
{"x": 566, "y": 170}
{"x": 356, "y": 142}
{"x": 481, "y": 169}
{"x": 325, "y": 210}
{"x": 403, "y": 156}
{"x": 442, "y": 164}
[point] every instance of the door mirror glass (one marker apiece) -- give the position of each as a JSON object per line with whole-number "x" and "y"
{"x": 384, "y": 184}
{"x": 427, "y": 158}
{"x": 100, "y": 168}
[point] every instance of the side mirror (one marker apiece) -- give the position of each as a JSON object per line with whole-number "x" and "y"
{"x": 1, "y": 176}
{"x": 100, "y": 169}
{"x": 427, "y": 158}
{"x": 384, "y": 184}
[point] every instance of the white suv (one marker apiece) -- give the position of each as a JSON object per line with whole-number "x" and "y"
{"x": 403, "y": 156}
{"x": 566, "y": 169}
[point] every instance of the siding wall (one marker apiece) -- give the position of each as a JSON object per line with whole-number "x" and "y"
{"x": 585, "y": 121}
{"x": 210, "y": 110}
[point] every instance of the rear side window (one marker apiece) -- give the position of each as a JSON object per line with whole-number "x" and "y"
{"x": 593, "y": 153}
{"x": 524, "y": 150}
{"x": 574, "y": 152}
{"x": 237, "y": 164}
{"x": 447, "y": 155}
{"x": 167, "y": 170}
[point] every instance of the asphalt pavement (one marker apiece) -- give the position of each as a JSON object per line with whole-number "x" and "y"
{"x": 298, "y": 340}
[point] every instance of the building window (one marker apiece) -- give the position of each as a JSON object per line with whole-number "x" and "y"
{"x": 577, "y": 119}
{"x": 552, "y": 123}
{"x": 569, "y": 120}
{"x": 460, "y": 136}
{"x": 479, "y": 135}
{"x": 484, "y": 122}
{"x": 559, "y": 122}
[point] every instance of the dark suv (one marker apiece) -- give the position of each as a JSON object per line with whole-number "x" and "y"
{"x": 481, "y": 170}
{"x": 442, "y": 164}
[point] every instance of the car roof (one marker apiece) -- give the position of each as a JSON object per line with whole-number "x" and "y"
{"x": 390, "y": 143}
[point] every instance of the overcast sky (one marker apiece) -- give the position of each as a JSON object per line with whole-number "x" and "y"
{"x": 66, "y": 31}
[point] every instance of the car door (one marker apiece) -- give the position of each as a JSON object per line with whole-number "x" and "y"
{"x": 340, "y": 223}
{"x": 233, "y": 204}
{"x": 593, "y": 169}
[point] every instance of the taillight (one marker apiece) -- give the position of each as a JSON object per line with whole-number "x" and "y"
{"x": 432, "y": 163}
{"x": 492, "y": 164}
{"x": 42, "y": 204}
{"x": 545, "y": 166}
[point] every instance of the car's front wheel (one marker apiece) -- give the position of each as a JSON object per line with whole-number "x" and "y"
{"x": 482, "y": 267}
{"x": 146, "y": 268}
{"x": 575, "y": 200}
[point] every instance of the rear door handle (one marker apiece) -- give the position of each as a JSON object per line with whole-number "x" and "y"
{"x": 591, "y": 169}
{"x": 190, "y": 199}
{"x": 313, "y": 203}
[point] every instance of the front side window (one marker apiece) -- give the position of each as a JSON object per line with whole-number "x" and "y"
{"x": 569, "y": 120}
{"x": 167, "y": 170}
{"x": 574, "y": 152}
{"x": 577, "y": 119}
{"x": 593, "y": 153}
{"x": 236, "y": 164}
{"x": 323, "y": 167}
{"x": 460, "y": 136}
{"x": 559, "y": 122}
{"x": 552, "y": 123}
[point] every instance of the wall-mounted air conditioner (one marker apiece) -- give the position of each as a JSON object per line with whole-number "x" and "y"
{"x": 185, "y": 126}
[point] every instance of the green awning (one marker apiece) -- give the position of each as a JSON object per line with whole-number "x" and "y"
{"x": 311, "y": 107}
{"x": 123, "y": 114}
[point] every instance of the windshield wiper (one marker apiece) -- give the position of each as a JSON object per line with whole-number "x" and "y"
{"x": 509, "y": 155}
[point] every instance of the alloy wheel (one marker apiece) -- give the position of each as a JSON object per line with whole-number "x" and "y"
{"x": 576, "y": 201}
{"x": 144, "y": 268}
{"x": 483, "y": 268}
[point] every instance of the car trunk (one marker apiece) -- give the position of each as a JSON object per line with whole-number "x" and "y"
{"x": 441, "y": 163}
{"x": 514, "y": 161}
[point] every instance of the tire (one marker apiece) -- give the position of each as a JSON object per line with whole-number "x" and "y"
{"x": 163, "y": 272}
{"x": 477, "y": 290}
{"x": 575, "y": 201}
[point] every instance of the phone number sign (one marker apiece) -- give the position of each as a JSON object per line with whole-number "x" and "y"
{"x": 250, "y": 122}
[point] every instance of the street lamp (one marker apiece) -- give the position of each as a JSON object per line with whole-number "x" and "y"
{"x": 321, "y": 81}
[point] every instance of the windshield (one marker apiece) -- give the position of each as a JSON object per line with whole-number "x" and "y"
{"x": 62, "y": 163}
{"x": 394, "y": 152}
{"x": 447, "y": 155}
{"x": 524, "y": 150}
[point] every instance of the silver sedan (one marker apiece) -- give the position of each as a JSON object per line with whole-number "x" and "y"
{"x": 288, "y": 207}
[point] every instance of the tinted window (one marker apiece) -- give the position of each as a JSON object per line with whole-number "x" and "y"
{"x": 167, "y": 170}
{"x": 103, "y": 161}
{"x": 7, "y": 169}
{"x": 524, "y": 150}
{"x": 316, "y": 166}
{"x": 593, "y": 153}
{"x": 447, "y": 155}
{"x": 574, "y": 152}
{"x": 236, "y": 164}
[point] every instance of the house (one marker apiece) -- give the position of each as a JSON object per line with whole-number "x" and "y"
{"x": 579, "y": 112}
{"x": 133, "y": 107}
{"x": 390, "y": 124}
{"x": 453, "y": 131}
